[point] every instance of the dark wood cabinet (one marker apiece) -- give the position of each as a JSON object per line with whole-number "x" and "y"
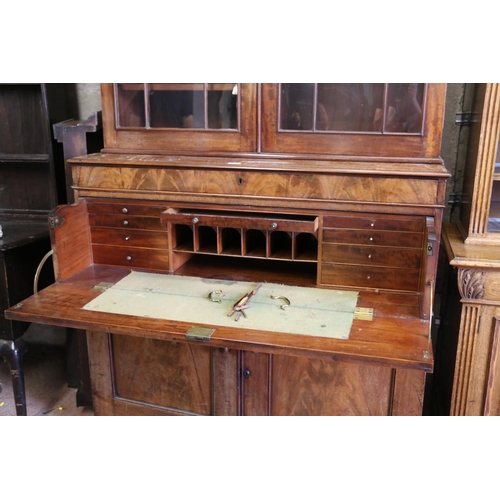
{"x": 278, "y": 189}
{"x": 31, "y": 185}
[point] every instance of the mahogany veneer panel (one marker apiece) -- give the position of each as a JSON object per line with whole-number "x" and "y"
{"x": 372, "y": 255}
{"x": 236, "y": 184}
{"x": 177, "y": 376}
{"x": 304, "y": 386}
{"x": 371, "y": 237}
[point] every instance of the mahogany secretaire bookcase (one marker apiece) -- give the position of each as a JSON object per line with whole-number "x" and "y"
{"x": 321, "y": 187}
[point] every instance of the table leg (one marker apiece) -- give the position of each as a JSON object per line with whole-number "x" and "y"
{"x": 13, "y": 352}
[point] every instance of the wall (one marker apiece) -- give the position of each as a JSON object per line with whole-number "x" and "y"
{"x": 83, "y": 99}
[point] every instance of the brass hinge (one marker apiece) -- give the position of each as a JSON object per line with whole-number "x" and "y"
{"x": 363, "y": 313}
{"x": 102, "y": 287}
{"x": 199, "y": 333}
{"x": 55, "y": 221}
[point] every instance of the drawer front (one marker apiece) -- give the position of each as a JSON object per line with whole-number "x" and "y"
{"x": 370, "y": 277}
{"x": 376, "y": 223}
{"x": 245, "y": 222}
{"x": 238, "y": 184}
{"x": 371, "y": 237}
{"x": 125, "y": 208}
{"x": 129, "y": 237}
{"x": 372, "y": 255}
{"x": 125, "y": 221}
{"x": 130, "y": 257}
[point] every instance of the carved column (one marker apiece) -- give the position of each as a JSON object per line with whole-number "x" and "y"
{"x": 471, "y": 287}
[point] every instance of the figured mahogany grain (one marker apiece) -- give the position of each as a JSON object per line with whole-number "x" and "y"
{"x": 178, "y": 375}
{"x": 302, "y": 386}
{"x": 70, "y": 240}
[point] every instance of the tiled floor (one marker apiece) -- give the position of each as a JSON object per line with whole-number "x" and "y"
{"x": 47, "y": 391}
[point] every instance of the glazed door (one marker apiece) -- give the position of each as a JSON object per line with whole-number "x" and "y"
{"x": 179, "y": 117}
{"x": 396, "y": 120}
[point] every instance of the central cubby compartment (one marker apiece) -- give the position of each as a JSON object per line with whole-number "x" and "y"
{"x": 288, "y": 237}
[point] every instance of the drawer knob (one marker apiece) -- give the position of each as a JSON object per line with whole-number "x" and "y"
{"x": 127, "y": 238}
{"x": 196, "y": 220}
{"x": 372, "y": 224}
{"x": 124, "y": 210}
{"x": 369, "y": 256}
{"x": 125, "y": 222}
{"x": 274, "y": 225}
{"x": 129, "y": 258}
{"x": 246, "y": 373}
{"x": 371, "y": 239}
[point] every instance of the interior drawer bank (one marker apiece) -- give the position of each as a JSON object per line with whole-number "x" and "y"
{"x": 128, "y": 233}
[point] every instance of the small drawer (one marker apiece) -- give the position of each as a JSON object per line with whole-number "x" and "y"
{"x": 130, "y": 237}
{"x": 126, "y": 221}
{"x": 238, "y": 220}
{"x": 371, "y": 255}
{"x": 382, "y": 238}
{"x": 125, "y": 207}
{"x": 130, "y": 257}
{"x": 376, "y": 223}
{"x": 370, "y": 277}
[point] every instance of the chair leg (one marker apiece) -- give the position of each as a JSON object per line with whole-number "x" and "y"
{"x": 13, "y": 352}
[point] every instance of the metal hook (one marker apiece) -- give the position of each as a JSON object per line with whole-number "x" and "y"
{"x": 216, "y": 292}
{"x": 277, "y": 297}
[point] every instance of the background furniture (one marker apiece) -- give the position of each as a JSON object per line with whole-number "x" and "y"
{"x": 328, "y": 185}
{"x": 469, "y": 385}
{"x": 31, "y": 184}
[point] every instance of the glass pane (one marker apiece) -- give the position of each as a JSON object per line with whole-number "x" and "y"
{"x": 350, "y": 107}
{"x": 178, "y": 105}
{"x": 296, "y": 106}
{"x": 404, "y": 107}
{"x": 222, "y": 105}
{"x": 131, "y": 105}
{"x": 494, "y": 215}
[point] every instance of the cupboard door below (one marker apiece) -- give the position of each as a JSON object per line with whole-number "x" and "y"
{"x": 141, "y": 376}
{"x": 302, "y": 386}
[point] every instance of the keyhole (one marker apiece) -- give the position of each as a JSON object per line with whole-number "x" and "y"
{"x": 240, "y": 181}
